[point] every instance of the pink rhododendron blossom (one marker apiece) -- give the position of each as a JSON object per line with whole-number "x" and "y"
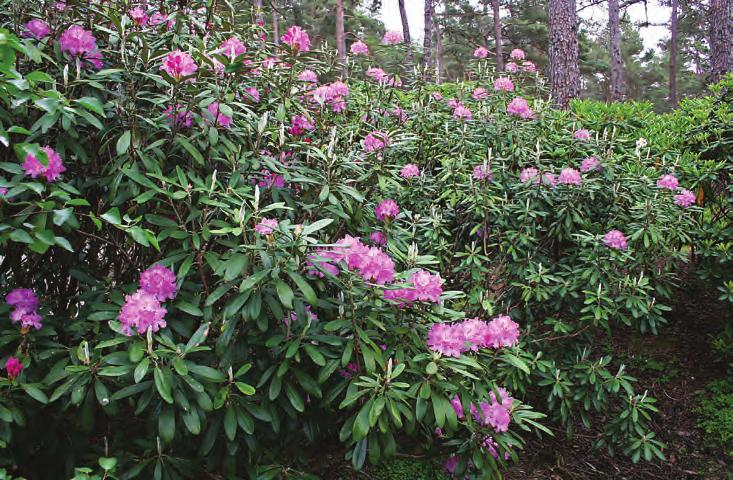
{"x": 300, "y": 124}
{"x": 445, "y": 339}
{"x": 378, "y": 238}
{"x": 504, "y": 84}
{"x": 23, "y": 298}
{"x": 428, "y": 287}
{"x": 669, "y": 182}
{"x": 370, "y": 262}
{"x": 232, "y": 47}
{"x": 157, "y": 18}
{"x": 581, "y": 134}
{"x": 266, "y": 226}
{"x": 297, "y": 39}
{"x": 77, "y": 42}
{"x": 529, "y": 174}
{"x": 517, "y": 54}
{"x": 159, "y": 282}
{"x": 685, "y": 198}
{"x": 410, "y": 171}
{"x": 37, "y": 29}
{"x": 503, "y": 332}
{"x": 308, "y": 76}
{"x": 549, "y": 179}
{"x": 520, "y": 108}
{"x": 615, "y": 239}
{"x": 217, "y": 117}
{"x": 589, "y": 164}
{"x": 461, "y": 112}
{"x": 332, "y": 94}
{"x": 471, "y": 335}
{"x": 529, "y": 67}
{"x": 13, "y": 366}
{"x": 482, "y": 172}
{"x": 511, "y": 67}
{"x": 315, "y": 265}
{"x": 437, "y": 96}
{"x": 253, "y": 94}
{"x": 481, "y": 52}
{"x": 386, "y": 209}
{"x": 458, "y": 407}
{"x": 480, "y": 93}
{"x": 392, "y": 37}
{"x": 51, "y": 171}
{"x": 141, "y": 312}
{"x": 376, "y": 266}
{"x": 570, "y": 176}
{"x": 138, "y": 16}
{"x": 375, "y": 141}
{"x": 178, "y": 116}
{"x": 268, "y": 179}
{"x": 179, "y": 64}
{"x": 359, "y": 48}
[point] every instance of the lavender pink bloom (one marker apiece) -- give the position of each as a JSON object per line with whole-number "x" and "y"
{"x": 511, "y": 67}
{"x": 528, "y": 174}
{"x": 471, "y": 335}
{"x": 590, "y": 164}
{"x": 410, "y": 171}
{"x": 77, "y": 42}
{"x": 253, "y": 94}
{"x": 480, "y": 93}
{"x": 481, "y": 52}
{"x": 300, "y": 124}
{"x": 232, "y": 47}
{"x": 581, "y": 134}
{"x": 428, "y": 287}
{"x": 138, "y": 16}
{"x": 266, "y": 226}
{"x": 37, "y": 29}
{"x": 685, "y": 198}
{"x": 482, "y": 172}
{"x": 386, "y": 209}
{"x": 517, "y": 54}
{"x": 392, "y": 37}
{"x": 529, "y": 67}
{"x": 615, "y": 239}
{"x": 669, "y": 182}
{"x": 569, "y": 176}
{"x": 178, "y": 116}
{"x": 13, "y": 366}
{"x": 160, "y": 282}
{"x": 217, "y": 117}
{"x": 378, "y": 238}
{"x": 461, "y": 112}
{"x": 504, "y": 84}
{"x": 157, "y": 18}
{"x": 375, "y": 141}
{"x": 297, "y": 39}
{"x": 179, "y": 64}
{"x": 359, "y": 48}
{"x": 51, "y": 171}
{"x": 141, "y": 312}
{"x": 23, "y": 298}
{"x": 308, "y": 76}
{"x": 520, "y": 108}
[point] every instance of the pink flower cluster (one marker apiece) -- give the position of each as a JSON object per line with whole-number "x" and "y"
{"x": 178, "y": 116}
{"x": 504, "y": 84}
{"x": 392, "y": 37}
{"x": 332, "y": 94}
{"x": 685, "y": 198}
{"x": 142, "y": 311}
{"x": 461, "y": 112}
{"x": 300, "y": 124}
{"x": 268, "y": 179}
{"x": 375, "y": 141}
{"x": 218, "y": 118}
{"x": 481, "y": 52}
{"x": 615, "y": 239}
{"x": 520, "y": 108}
{"x": 496, "y": 413}
{"x": 454, "y": 339}
{"x": 138, "y": 16}
{"x": 381, "y": 77}
{"x": 378, "y": 238}
{"x": 669, "y": 182}
{"x": 266, "y": 226}
{"x": 529, "y": 174}
{"x": 480, "y": 93}
{"x": 529, "y": 67}
{"x": 13, "y": 366}
{"x": 511, "y": 67}
{"x": 590, "y": 164}
{"x": 581, "y": 134}
{"x": 423, "y": 286}
{"x": 179, "y": 64}
{"x": 570, "y": 176}
{"x": 359, "y": 48}
{"x": 25, "y": 308}
{"x": 386, "y": 209}
{"x": 308, "y": 76}
{"x": 370, "y": 262}
{"x": 482, "y": 172}
{"x": 297, "y": 39}
{"x": 410, "y": 171}
{"x": 517, "y": 54}
{"x": 232, "y": 48}
{"x": 51, "y": 171}
{"x": 78, "y": 42}
{"x": 37, "y": 29}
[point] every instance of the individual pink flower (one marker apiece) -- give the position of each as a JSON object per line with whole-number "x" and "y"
{"x": 138, "y": 16}
{"x": 297, "y": 39}
{"x": 502, "y": 332}
{"x": 615, "y": 239}
{"x": 13, "y": 366}
{"x": 27, "y": 318}
{"x": 141, "y": 312}
{"x": 378, "y": 238}
{"x": 308, "y": 76}
{"x": 437, "y": 96}
{"x": 529, "y": 67}
{"x": 217, "y": 117}
{"x": 386, "y": 209}
{"x": 445, "y": 339}
{"x": 428, "y": 287}
{"x": 480, "y": 93}
{"x": 511, "y": 67}
{"x": 461, "y": 112}
{"x": 300, "y": 124}
{"x": 253, "y": 94}
{"x": 377, "y": 74}
{"x": 23, "y": 298}
{"x": 520, "y": 108}
{"x": 476, "y": 334}
{"x": 375, "y": 141}
{"x": 77, "y": 42}
{"x": 157, "y": 18}
{"x": 482, "y": 172}
{"x": 517, "y": 54}
{"x": 589, "y": 164}
{"x": 481, "y": 52}
{"x": 179, "y": 64}
{"x": 458, "y": 407}
{"x": 528, "y": 174}
{"x": 392, "y": 37}
{"x": 402, "y": 296}
{"x": 316, "y": 265}
{"x": 232, "y": 47}
{"x": 159, "y": 282}
{"x": 266, "y": 226}
{"x": 410, "y": 171}
{"x": 504, "y": 84}
{"x": 37, "y": 29}
{"x": 669, "y": 182}
{"x": 685, "y": 198}
{"x": 51, "y": 171}
{"x": 359, "y": 48}
{"x": 178, "y": 116}
{"x": 582, "y": 134}
{"x": 570, "y": 176}
{"x": 375, "y": 265}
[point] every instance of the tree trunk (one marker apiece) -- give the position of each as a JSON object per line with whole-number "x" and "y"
{"x": 340, "y": 33}
{"x": 259, "y": 19}
{"x": 427, "y": 43}
{"x": 614, "y": 34}
{"x": 564, "y": 71}
{"x": 405, "y": 30}
{"x": 498, "y": 45}
{"x": 673, "y": 56}
{"x": 721, "y": 38}
{"x": 438, "y": 54}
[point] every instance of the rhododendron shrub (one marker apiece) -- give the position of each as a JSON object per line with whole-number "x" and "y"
{"x": 218, "y": 258}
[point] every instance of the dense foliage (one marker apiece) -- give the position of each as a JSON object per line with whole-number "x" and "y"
{"x": 218, "y": 257}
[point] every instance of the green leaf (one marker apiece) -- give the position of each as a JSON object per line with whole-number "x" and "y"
{"x": 34, "y": 392}
{"x": 285, "y": 293}
{"x": 245, "y": 388}
{"x": 123, "y": 143}
{"x": 315, "y": 226}
{"x": 164, "y": 389}
{"x": 92, "y": 104}
{"x": 107, "y": 463}
{"x": 230, "y": 423}
{"x": 512, "y": 359}
{"x": 308, "y": 293}
{"x": 189, "y": 308}
{"x": 167, "y": 424}
{"x": 112, "y": 216}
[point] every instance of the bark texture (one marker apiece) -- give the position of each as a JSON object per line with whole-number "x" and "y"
{"x": 405, "y": 30}
{"x": 721, "y": 38}
{"x": 427, "y": 44}
{"x": 564, "y": 71}
{"x": 498, "y": 42}
{"x": 673, "y": 56}
{"x": 340, "y": 33}
{"x": 616, "y": 88}
{"x": 438, "y": 54}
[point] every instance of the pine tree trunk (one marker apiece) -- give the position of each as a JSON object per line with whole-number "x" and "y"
{"x": 438, "y": 54}
{"x": 673, "y": 56}
{"x": 563, "y": 38}
{"x": 427, "y": 43}
{"x": 340, "y": 33}
{"x": 614, "y": 33}
{"x": 721, "y": 38}
{"x": 498, "y": 45}
{"x": 405, "y": 30}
